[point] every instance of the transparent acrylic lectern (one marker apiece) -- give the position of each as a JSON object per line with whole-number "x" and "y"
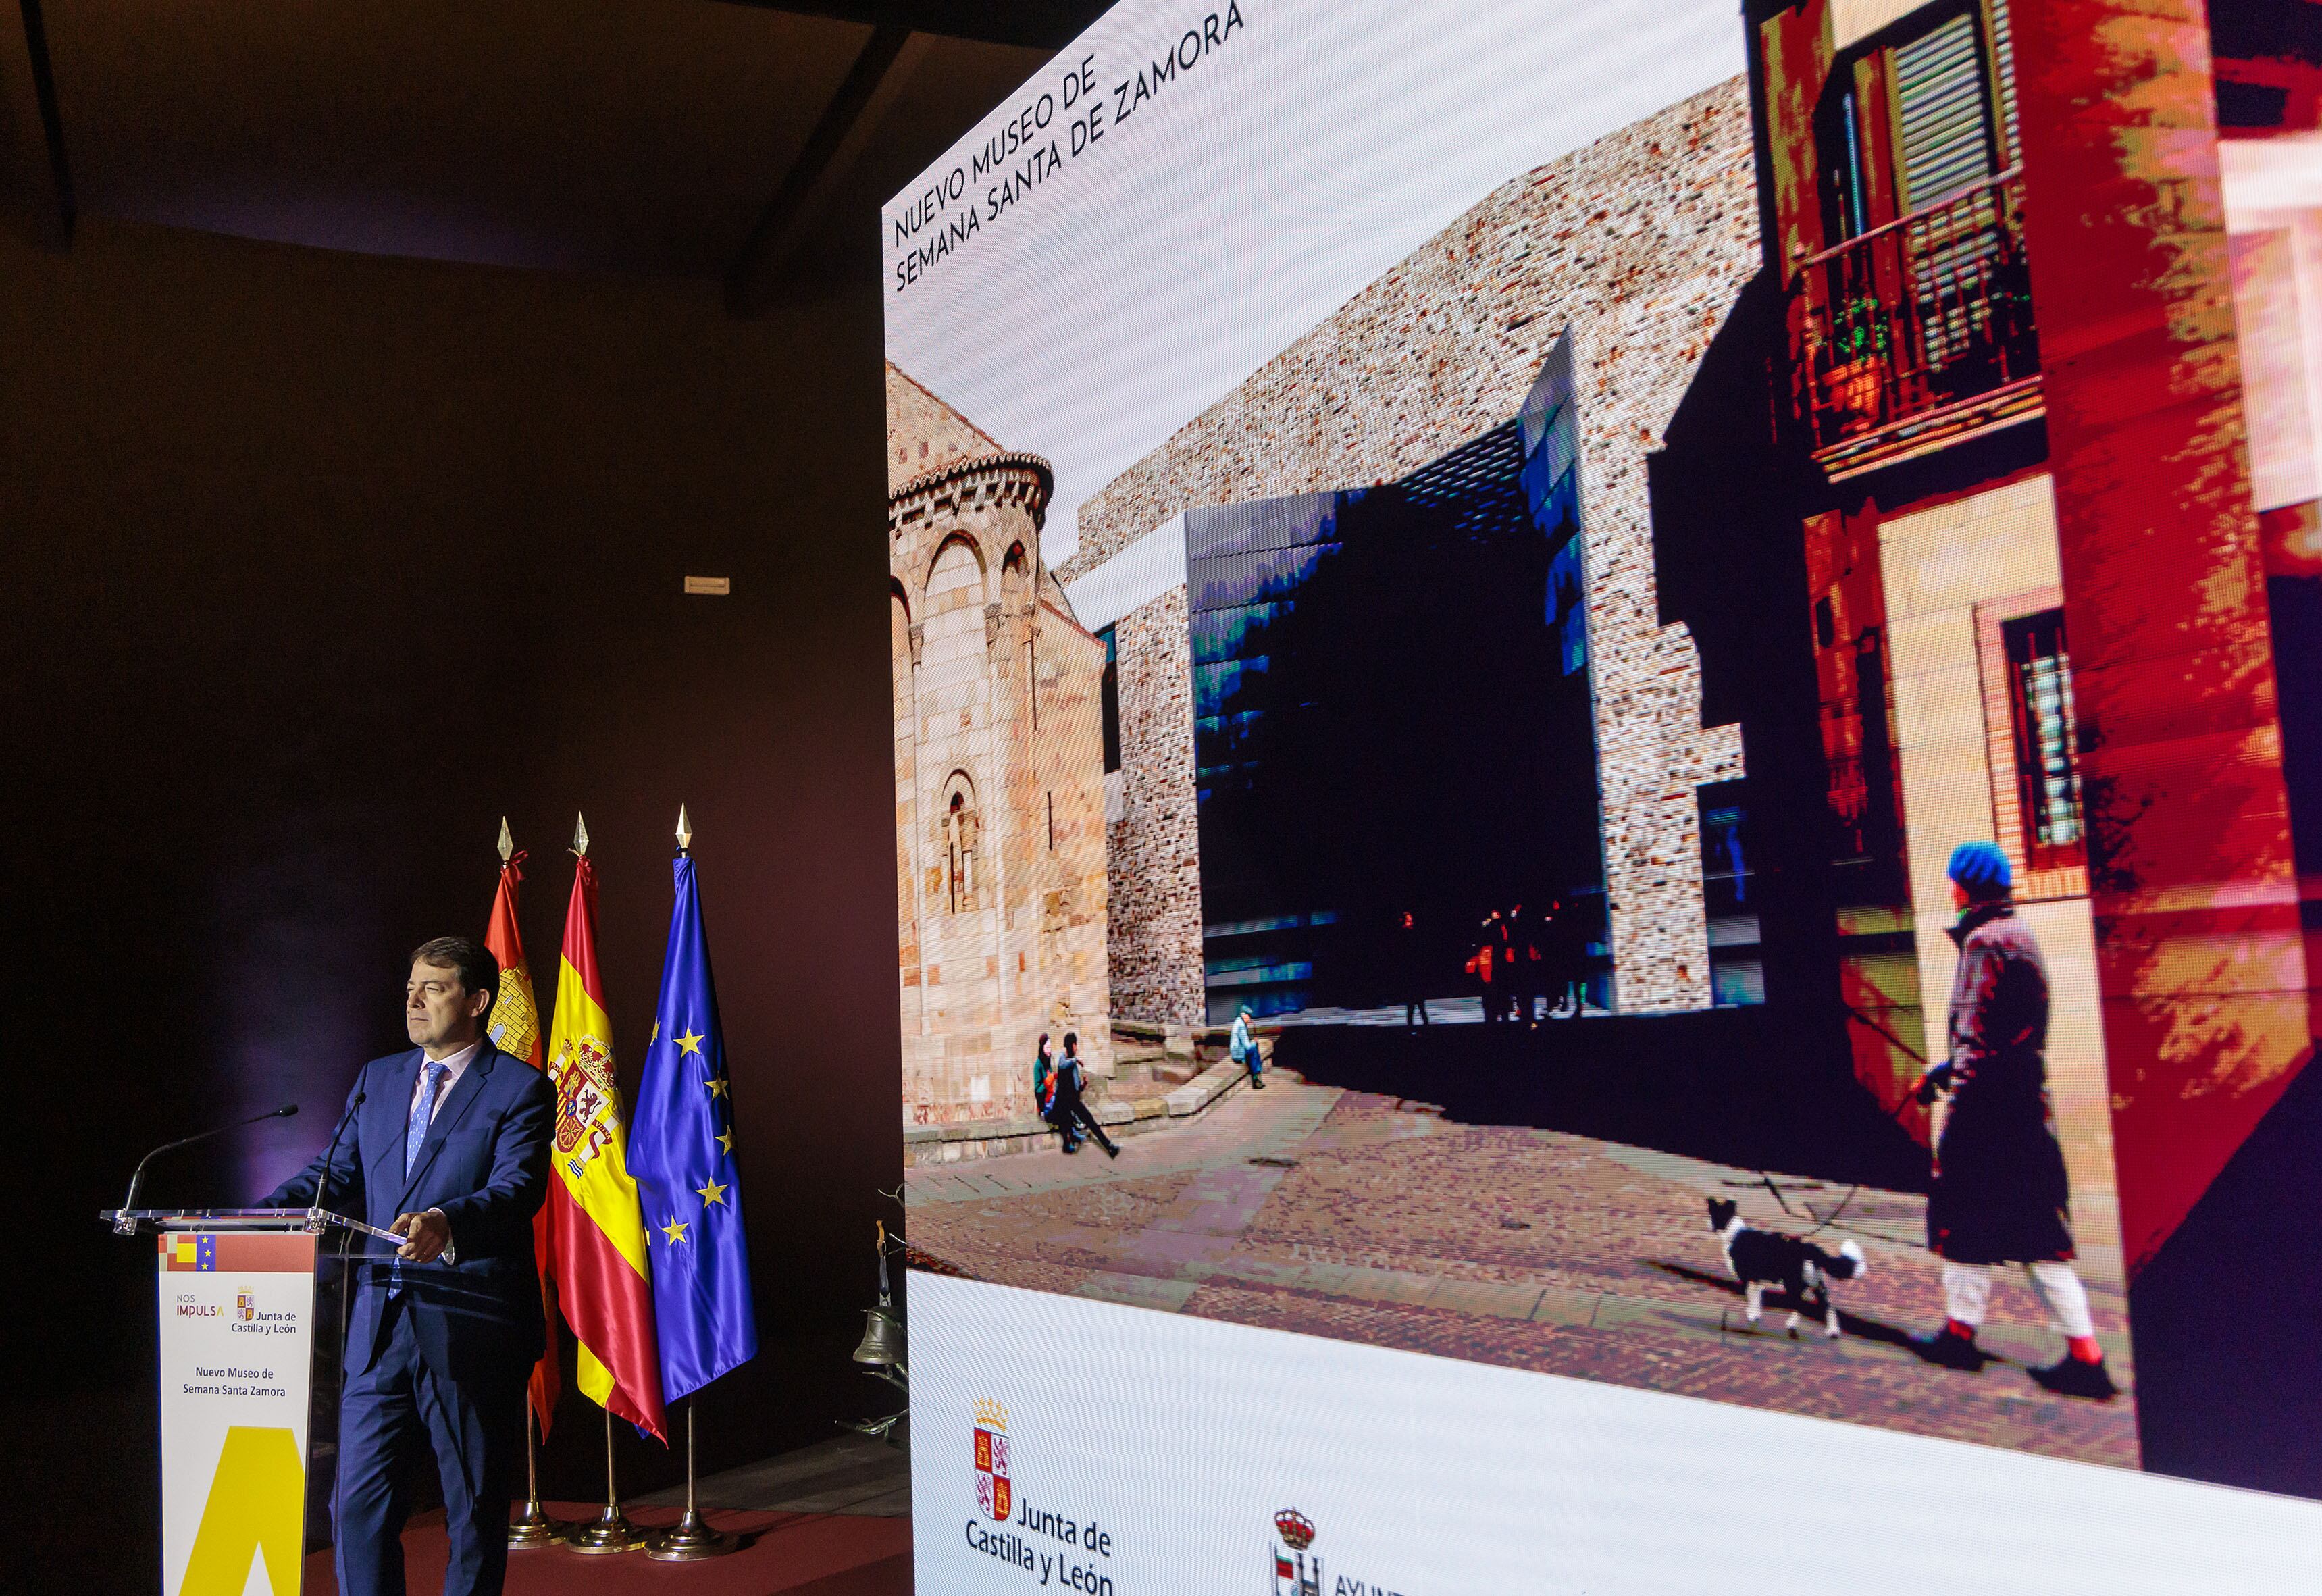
{"x": 253, "y": 1305}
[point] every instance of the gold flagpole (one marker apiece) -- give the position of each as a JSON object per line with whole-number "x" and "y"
{"x": 533, "y": 1526}
{"x": 611, "y": 1532}
{"x": 691, "y": 1541}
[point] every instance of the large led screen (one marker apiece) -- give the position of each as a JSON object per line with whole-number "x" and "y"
{"x": 1640, "y": 680}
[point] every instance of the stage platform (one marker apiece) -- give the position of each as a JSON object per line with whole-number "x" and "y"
{"x": 833, "y": 1519}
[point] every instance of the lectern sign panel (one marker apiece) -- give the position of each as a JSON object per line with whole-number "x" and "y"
{"x": 237, "y": 1319}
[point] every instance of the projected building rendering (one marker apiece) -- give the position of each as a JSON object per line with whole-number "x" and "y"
{"x": 1583, "y": 687}
{"x": 1392, "y": 724}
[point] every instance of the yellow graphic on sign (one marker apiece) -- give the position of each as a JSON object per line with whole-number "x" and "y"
{"x": 258, "y": 1499}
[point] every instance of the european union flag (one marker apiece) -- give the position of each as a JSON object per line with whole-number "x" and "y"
{"x": 682, "y": 1156}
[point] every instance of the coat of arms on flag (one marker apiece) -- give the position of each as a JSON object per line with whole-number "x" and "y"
{"x": 992, "y": 1486}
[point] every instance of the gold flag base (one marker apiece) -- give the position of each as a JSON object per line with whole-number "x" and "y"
{"x": 532, "y": 1526}
{"x": 609, "y": 1532}
{"x": 690, "y": 1540}
{"x": 600, "y": 1537}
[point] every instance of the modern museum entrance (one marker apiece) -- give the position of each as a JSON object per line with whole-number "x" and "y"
{"x": 1394, "y": 736}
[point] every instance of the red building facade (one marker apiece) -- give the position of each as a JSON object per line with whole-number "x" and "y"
{"x": 2013, "y": 376}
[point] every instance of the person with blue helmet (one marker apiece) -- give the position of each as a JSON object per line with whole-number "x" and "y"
{"x": 2001, "y": 1194}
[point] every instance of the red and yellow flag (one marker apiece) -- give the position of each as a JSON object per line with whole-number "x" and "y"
{"x": 592, "y": 1203}
{"x": 515, "y": 1030}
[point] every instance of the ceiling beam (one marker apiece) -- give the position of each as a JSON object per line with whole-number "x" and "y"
{"x": 1043, "y": 24}
{"x": 52, "y": 122}
{"x": 853, "y": 114}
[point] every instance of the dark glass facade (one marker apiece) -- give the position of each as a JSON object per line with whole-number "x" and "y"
{"x": 1393, "y": 718}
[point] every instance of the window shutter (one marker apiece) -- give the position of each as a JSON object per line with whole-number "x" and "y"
{"x": 1945, "y": 121}
{"x": 2003, "y": 58}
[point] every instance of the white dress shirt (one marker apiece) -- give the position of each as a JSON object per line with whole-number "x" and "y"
{"x": 455, "y": 1067}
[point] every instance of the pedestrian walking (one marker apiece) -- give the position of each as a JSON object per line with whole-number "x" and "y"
{"x": 1527, "y": 968}
{"x": 1044, "y": 1092}
{"x": 1410, "y": 971}
{"x": 1566, "y": 952}
{"x": 1490, "y": 965}
{"x": 2001, "y": 1194}
{"x": 1072, "y": 1108}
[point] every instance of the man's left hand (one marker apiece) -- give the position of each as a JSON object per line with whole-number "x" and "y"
{"x": 430, "y": 1233}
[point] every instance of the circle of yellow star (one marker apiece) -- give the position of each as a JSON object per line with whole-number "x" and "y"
{"x": 674, "y": 1230}
{"x": 717, "y": 1085}
{"x": 689, "y": 1042}
{"x": 726, "y": 1140}
{"x": 712, "y": 1193}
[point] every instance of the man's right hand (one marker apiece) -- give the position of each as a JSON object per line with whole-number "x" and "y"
{"x": 430, "y": 1234}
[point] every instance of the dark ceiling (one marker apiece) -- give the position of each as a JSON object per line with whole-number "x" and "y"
{"x": 710, "y": 139}
{"x": 1041, "y": 24}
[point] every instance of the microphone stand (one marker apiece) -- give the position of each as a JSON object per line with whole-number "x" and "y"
{"x": 125, "y": 1223}
{"x": 346, "y": 1237}
{"x": 330, "y": 1153}
{"x": 346, "y": 1285}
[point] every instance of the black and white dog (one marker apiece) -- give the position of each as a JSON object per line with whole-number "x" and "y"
{"x": 1763, "y": 1258}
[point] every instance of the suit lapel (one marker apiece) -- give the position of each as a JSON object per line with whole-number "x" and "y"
{"x": 454, "y": 1108}
{"x": 389, "y": 1111}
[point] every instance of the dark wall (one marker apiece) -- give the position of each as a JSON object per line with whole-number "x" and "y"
{"x": 313, "y": 566}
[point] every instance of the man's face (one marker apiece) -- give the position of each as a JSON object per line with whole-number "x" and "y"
{"x": 437, "y": 1010}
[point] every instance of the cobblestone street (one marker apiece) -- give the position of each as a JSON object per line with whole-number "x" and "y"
{"x": 1370, "y": 1218}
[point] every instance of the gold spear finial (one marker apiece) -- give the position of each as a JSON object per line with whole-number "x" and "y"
{"x": 580, "y": 834}
{"x": 684, "y": 830}
{"x": 507, "y": 842}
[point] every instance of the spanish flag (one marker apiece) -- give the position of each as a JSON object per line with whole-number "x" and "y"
{"x": 592, "y": 1204}
{"x": 515, "y": 1030}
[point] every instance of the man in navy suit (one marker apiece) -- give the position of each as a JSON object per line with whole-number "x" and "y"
{"x": 447, "y": 1145}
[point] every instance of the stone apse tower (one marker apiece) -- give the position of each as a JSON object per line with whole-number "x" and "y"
{"x": 1000, "y": 849}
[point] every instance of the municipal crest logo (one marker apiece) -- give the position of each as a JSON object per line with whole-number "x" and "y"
{"x": 1297, "y": 1567}
{"x": 993, "y": 1490}
{"x": 245, "y": 1306}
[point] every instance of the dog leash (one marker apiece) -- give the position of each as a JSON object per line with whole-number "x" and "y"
{"x": 1895, "y": 1115}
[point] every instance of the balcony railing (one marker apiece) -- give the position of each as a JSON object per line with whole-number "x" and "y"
{"x": 1927, "y": 318}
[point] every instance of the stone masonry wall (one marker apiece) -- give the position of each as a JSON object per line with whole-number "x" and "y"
{"x": 1153, "y": 849}
{"x": 1000, "y": 898}
{"x": 1637, "y": 245}
{"x": 1068, "y": 771}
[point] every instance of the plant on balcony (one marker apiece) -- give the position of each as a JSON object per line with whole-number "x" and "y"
{"x": 1860, "y": 345}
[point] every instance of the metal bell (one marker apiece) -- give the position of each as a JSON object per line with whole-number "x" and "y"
{"x": 883, "y": 1338}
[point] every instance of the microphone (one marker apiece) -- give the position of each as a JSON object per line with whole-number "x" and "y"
{"x": 123, "y": 1224}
